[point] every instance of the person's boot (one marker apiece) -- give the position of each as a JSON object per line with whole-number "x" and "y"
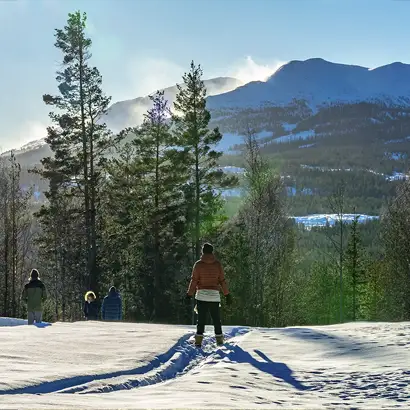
{"x": 219, "y": 340}
{"x": 198, "y": 340}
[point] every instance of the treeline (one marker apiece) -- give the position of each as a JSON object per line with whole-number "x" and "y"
{"x": 16, "y": 235}
{"x": 132, "y": 210}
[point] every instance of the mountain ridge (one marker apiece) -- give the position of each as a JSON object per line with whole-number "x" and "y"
{"x": 319, "y": 81}
{"x": 297, "y": 91}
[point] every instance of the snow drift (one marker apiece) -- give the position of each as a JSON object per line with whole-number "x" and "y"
{"x": 124, "y": 365}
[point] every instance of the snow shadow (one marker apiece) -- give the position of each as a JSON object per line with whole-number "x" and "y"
{"x": 266, "y": 365}
{"x": 8, "y": 322}
{"x": 175, "y": 362}
{"x": 71, "y": 382}
{"x": 12, "y": 322}
{"x": 341, "y": 343}
{"x": 41, "y": 325}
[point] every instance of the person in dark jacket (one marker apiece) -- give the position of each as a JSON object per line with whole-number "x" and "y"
{"x": 34, "y": 294}
{"x": 111, "y": 309}
{"x": 91, "y": 308}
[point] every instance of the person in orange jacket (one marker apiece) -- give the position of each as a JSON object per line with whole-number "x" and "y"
{"x": 208, "y": 278}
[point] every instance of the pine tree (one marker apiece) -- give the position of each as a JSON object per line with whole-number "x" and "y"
{"x": 199, "y": 142}
{"x": 15, "y": 228}
{"x": 151, "y": 174}
{"x": 166, "y": 174}
{"x": 396, "y": 239}
{"x": 123, "y": 229}
{"x": 355, "y": 269}
{"x": 337, "y": 203}
{"x": 257, "y": 245}
{"x": 79, "y": 138}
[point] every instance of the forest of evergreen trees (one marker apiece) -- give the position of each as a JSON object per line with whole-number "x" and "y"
{"x": 133, "y": 209}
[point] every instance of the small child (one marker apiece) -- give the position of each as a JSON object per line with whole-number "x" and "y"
{"x": 91, "y": 309}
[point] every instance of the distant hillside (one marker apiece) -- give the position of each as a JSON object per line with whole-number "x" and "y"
{"x": 320, "y": 82}
{"x": 130, "y": 112}
{"x": 318, "y": 122}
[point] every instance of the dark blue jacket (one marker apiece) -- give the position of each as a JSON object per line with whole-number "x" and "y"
{"x": 112, "y": 307}
{"x": 91, "y": 310}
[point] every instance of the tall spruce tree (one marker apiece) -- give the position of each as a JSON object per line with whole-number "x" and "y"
{"x": 79, "y": 138}
{"x": 145, "y": 201}
{"x": 396, "y": 238}
{"x": 355, "y": 267}
{"x": 165, "y": 178}
{"x": 199, "y": 142}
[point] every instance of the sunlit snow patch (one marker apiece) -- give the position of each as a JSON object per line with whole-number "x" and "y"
{"x": 302, "y": 135}
{"x": 317, "y": 220}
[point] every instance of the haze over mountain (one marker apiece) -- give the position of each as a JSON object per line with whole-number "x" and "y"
{"x": 301, "y": 88}
{"x": 321, "y": 82}
{"x": 129, "y": 113}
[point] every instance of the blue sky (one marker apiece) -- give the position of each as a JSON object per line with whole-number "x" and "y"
{"x": 142, "y": 45}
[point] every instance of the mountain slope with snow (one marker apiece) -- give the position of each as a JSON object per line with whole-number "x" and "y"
{"x": 122, "y": 114}
{"x": 125, "y": 365}
{"x": 316, "y": 113}
{"x": 130, "y": 113}
{"x": 297, "y": 92}
{"x": 321, "y": 82}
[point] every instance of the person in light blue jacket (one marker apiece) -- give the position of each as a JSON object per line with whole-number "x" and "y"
{"x": 111, "y": 309}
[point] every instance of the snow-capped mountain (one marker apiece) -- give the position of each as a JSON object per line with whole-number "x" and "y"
{"x": 321, "y": 82}
{"x": 123, "y": 114}
{"x": 303, "y": 100}
{"x": 131, "y": 112}
{"x": 30, "y": 146}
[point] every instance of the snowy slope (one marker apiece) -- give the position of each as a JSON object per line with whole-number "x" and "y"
{"x": 316, "y": 81}
{"x": 120, "y": 365}
{"x": 300, "y": 88}
{"x": 130, "y": 113}
{"x": 321, "y": 82}
{"x": 317, "y": 220}
{"x": 30, "y": 146}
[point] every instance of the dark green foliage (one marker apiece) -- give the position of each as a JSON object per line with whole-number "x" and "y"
{"x": 257, "y": 246}
{"x": 355, "y": 269}
{"x": 396, "y": 237}
{"x": 198, "y": 141}
{"x": 79, "y": 141}
{"x": 135, "y": 214}
{"x": 145, "y": 208}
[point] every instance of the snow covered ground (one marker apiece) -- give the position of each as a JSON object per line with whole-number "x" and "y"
{"x": 98, "y": 365}
{"x": 302, "y": 135}
{"x": 317, "y": 220}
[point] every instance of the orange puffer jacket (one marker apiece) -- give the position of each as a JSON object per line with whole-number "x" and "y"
{"x": 208, "y": 274}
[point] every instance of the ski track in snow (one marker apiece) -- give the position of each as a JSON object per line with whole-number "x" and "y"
{"x": 177, "y": 361}
{"x": 357, "y": 365}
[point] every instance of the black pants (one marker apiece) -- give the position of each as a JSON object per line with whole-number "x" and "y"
{"x": 213, "y": 309}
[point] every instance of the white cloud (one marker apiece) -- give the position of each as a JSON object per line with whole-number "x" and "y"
{"x": 249, "y": 70}
{"x": 27, "y": 132}
{"x": 147, "y": 75}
